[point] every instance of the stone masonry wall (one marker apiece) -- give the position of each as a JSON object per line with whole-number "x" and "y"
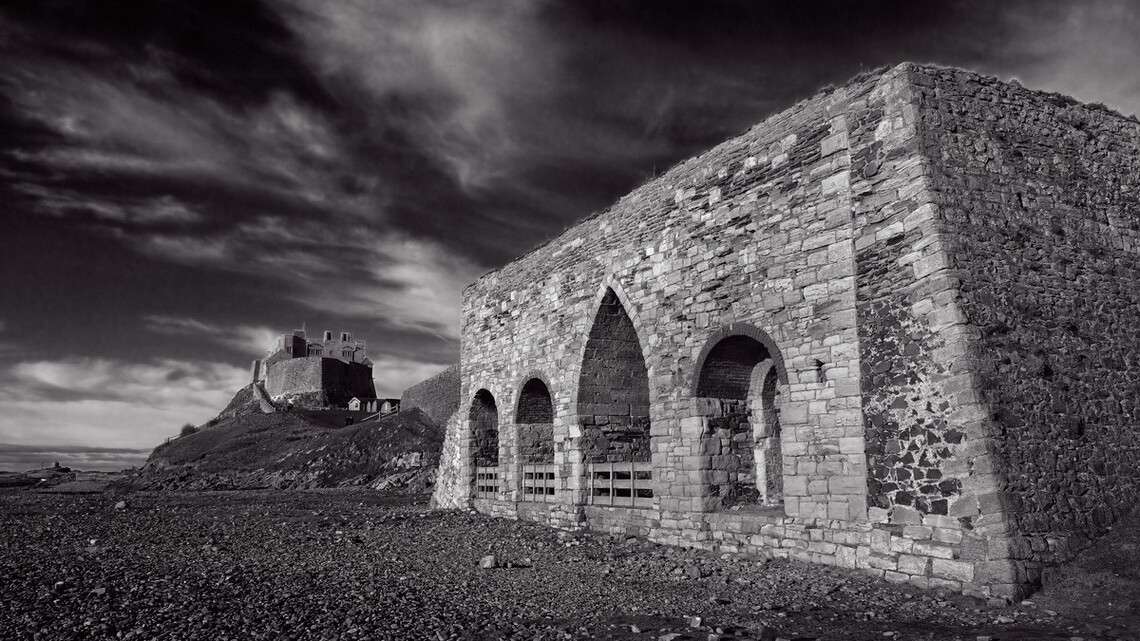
{"x": 437, "y": 396}
{"x": 1039, "y": 197}
{"x": 756, "y": 232}
{"x": 873, "y": 239}
{"x": 925, "y": 433}
{"x": 317, "y": 381}
{"x": 295, "y": 376}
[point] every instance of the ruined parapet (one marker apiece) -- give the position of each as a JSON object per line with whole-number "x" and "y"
{"x": 880, "y": 330}
{"x": 263, "y": 402}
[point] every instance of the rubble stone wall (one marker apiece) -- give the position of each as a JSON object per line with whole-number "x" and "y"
{"x": 1039, "y": 197}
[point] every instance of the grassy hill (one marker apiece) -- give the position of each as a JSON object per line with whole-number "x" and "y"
{"x": 244, "y": 448}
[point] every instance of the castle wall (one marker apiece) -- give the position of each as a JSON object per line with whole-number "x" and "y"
{"x": 318, "y": 381}
{"x": 295, "y": 376}
{"x": 437, "y": 396}
{"x": 1039, "y": 200}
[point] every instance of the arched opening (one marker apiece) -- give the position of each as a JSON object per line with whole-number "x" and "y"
{"x": 739, "y": 380}
{"x": 484, "y": 421}
{"x": 613, "y": 408}
{"x": 535, "y": 420}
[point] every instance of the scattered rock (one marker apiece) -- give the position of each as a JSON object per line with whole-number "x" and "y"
{"x": 121, "y": 505}
{"x": 264, "y": 565}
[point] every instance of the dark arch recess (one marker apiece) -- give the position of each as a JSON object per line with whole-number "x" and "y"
{"x": 731, "y": 331}
{"x": 534, "y": 418}
{"x": 484, "y": 416}
{"x": 613, "y": 388}
{"x": 535, "y": 403}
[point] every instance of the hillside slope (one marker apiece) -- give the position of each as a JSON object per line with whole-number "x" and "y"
{"x": 245, "y": 449}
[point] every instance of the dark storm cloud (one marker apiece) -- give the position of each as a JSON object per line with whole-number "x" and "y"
{"x": 537, "y": 113}
{"x": 192, "y": 178}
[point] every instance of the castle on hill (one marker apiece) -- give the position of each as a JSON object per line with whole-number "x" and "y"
{"x": 316, "y": 373}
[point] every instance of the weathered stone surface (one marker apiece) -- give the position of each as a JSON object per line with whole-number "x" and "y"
{"x": 438, "y": 396}
{"x": 888, "y": 328}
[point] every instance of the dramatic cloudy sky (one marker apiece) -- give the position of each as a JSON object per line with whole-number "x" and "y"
{"x": 180, "y": 181}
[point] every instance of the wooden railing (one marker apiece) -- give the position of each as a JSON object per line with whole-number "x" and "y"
{"x": 539, "y": 483}
{"x": 486, "y": 482}
{"x": 620, "y": 484}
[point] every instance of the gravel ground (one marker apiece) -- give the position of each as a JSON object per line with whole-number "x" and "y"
{"x": 354, "y": 565}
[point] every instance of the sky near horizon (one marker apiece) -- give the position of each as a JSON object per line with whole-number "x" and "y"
{"x": 182, "y": 181}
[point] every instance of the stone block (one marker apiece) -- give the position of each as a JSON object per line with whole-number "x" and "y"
{"x": 895, "y": 577}
{"x": 847, "y": 485}
{"x": 882, "y": 562}
{"x": 851, "y": 445}
{"x": 880, "y": 541}
{"x": 913, "y": 565}
{"x": 937, "y": 550}
{"x": 942, "y": 535}
{"x": 836, "y": 183}
{"x": 954, "y": 570}
{"x": 845, "y": 557}
{"x": 796, "y": 485}
{"x": 917, "y": 532}
{"x": 899, "y": 544}
{"x": 832, "y": 144}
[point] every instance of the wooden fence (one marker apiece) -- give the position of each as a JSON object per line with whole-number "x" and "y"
{"x": 620, "y": 484}
{"x": 539, "y": 483}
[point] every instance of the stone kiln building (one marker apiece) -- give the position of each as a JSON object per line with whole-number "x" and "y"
{"x": 891, "y": 328}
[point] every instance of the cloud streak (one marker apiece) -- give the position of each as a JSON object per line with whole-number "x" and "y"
{"x": 361, "y": 274}
{"x": 137, "y": 120}
{"x": 1085, "y": 49}
{"x": 110, "y": 403}
{"x": 245, "y": 338}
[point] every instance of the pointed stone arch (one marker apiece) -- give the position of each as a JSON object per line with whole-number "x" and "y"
{"x": 613, "y": 387}
{"x": 610, "y": 283}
